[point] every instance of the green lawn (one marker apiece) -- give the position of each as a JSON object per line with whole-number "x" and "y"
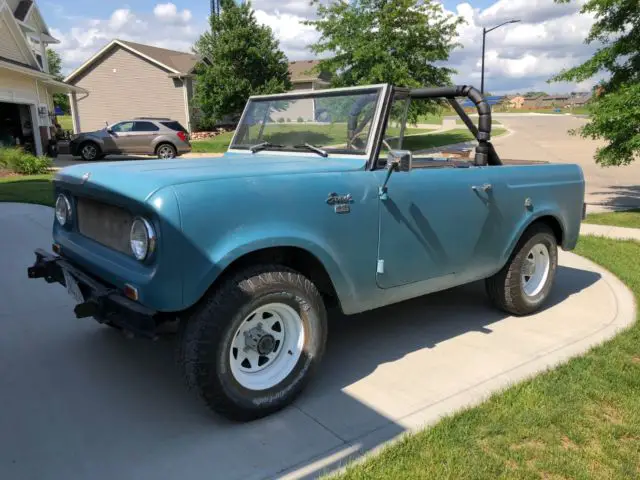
{"x": 27, "y": 189}
{"x": 628, "y": 218}
{"x": 65, "y": 122}
{"x": 579, "y": 421}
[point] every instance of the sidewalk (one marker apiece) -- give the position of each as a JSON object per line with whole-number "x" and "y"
{"x": 618, "y": 233}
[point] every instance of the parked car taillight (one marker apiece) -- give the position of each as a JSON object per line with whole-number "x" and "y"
{"x": 182, "y": 136}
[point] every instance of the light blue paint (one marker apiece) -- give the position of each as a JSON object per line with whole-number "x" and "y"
{"x": 433, "y": 231}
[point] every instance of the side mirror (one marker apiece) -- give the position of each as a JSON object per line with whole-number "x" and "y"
{"x": 397, "y": 161}
{"x": 110, "y": 131}
{"x": 400, "y": 160}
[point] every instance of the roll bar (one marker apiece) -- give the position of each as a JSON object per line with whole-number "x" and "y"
{"x": 485, "y": 152}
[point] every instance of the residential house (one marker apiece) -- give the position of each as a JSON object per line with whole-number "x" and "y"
{"x": 26, "y": 86}
{"x": 516, "y": 102}
{"x": 533, "y": 102}
{"x": 305, "y": 77}
{"x": 579, "y": 100}
{"x": 127, "y": 80}
{"x": 555, "y": 101}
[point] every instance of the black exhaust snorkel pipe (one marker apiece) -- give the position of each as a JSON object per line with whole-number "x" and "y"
{"x": 485, "y": 153}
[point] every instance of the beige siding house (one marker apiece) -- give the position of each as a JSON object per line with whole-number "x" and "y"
{"x": 127, "y": 80}
{"x": 26, "y": 87}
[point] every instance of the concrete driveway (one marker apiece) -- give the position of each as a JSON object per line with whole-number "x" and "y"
{"x": 545, "y": 137}
{"x": 80, "y": 401}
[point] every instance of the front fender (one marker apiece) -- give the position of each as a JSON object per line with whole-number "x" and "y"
{"x": 241, "y": 242}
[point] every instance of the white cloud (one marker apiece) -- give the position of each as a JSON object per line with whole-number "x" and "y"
{"x": 293, "y": 35}
{"x": 168, "y": 13}
{"x": 519, "y": 57}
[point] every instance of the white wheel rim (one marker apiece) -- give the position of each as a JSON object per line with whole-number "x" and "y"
{"x": 535, "y": 270}
{"x": 267, "y": 346}
{"x": 89, "y": 151}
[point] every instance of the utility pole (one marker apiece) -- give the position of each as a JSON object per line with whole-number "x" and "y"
{"x": 215, "y": 8}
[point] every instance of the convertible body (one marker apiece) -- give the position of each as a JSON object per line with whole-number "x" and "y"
{"x": 368, "y": 224}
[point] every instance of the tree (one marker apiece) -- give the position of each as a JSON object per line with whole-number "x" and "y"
{"x": 55, "y": 68}
{"x": 378, "y": 41}
{"x": 245, "y": 60}
{"x": 615, "y": 110}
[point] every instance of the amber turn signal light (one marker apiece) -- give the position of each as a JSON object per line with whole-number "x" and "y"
{"x": 131, "y": 292}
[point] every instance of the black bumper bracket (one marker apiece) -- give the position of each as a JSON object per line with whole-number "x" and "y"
{"x": 102, "y": 302}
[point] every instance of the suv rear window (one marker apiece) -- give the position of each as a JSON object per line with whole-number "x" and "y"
{"x": 174, "y": 126}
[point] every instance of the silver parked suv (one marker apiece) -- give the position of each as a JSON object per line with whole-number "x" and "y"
{"x": 162, "y": 137}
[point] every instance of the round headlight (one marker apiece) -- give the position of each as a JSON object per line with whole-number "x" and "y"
{"x": 142, "y": 238}
{"x": 63, "y": 210}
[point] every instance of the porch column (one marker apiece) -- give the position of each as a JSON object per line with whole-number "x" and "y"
{"x": 43, "y": 54}
{"x": 75, "y": 115}
{"x": 35, "y": 122}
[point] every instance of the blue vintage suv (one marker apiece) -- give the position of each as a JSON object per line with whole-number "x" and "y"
{"x": 324, "y": 198}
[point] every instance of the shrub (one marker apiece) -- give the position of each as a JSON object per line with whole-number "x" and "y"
{"x": 24, "y": 163}
{"x": 281, "y": 120}
{"x": 300, "y": 119}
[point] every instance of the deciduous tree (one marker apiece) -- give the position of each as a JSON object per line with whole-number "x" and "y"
{"x": 402, "y": 42}
{"x": 55, "y": 68}
{"x": 245, "y": 60}
{"x": 615, "y": 110}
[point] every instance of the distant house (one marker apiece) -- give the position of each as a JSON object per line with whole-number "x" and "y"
{"x": 26, "y": 86}
{"x": 126, "y": 80}
{"x": 533, "y": 102}
{"x": 555, "y": 101}
{"x": 579, "y": 100}
{"x": 516, "y": 102}
{"x": 304, "y": 76}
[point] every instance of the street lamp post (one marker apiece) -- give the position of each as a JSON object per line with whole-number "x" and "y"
{"x": 484, "y": 35}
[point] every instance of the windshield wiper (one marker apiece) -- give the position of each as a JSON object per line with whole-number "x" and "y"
{"x": 263, "y": 146}
{"x": 313, "y": 148}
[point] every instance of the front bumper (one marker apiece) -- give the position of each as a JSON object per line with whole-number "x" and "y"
{"x": 96, "y": 299}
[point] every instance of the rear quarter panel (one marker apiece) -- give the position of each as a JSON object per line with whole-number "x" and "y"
{"x": 555, "y": 190}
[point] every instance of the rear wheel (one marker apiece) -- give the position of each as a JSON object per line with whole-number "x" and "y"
{"x": 166, "y": 150}
{"x": 254, "y": 343}
{"x": 90, "y": 151}
{"x": 524, "y": 283}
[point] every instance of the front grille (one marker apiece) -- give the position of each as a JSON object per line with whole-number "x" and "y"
{"x": 106, "y": 224}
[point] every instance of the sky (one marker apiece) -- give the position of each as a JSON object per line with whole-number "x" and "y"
{"x": 519, "y": 57}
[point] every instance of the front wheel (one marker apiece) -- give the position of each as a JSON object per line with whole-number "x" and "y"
{"x": 90, "y": 151}
{"x": 255, "y": 341}
{"x": 524, "y": 283}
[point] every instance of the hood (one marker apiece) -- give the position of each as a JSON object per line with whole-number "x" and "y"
{"x": 140, "y": 179}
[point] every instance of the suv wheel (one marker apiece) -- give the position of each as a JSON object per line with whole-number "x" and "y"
{"x": 89, "y": 151}
{"x": 166, "y": 150}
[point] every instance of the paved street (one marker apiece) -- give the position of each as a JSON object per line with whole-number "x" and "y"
{"x": 545, "y": 137}
{"x": 80, "y": 401}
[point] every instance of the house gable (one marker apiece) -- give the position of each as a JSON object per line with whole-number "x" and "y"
{"x": 13, "y": 43}
{"x": 124, "y": 85}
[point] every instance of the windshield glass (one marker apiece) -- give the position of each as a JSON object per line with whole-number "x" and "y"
{"x": 335, "y": 121}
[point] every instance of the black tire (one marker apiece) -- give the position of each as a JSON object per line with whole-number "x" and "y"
{"x": 172, "y": 152}
{"x": 85, "y": 154}
{"x": 206, "y": 337}
{"x": 505, "y": 289}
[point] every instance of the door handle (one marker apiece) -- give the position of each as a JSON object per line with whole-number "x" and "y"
{"x": 487, "y": 187}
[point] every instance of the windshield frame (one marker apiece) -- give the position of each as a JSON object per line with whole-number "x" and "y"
{"x": 380, "y": 89}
